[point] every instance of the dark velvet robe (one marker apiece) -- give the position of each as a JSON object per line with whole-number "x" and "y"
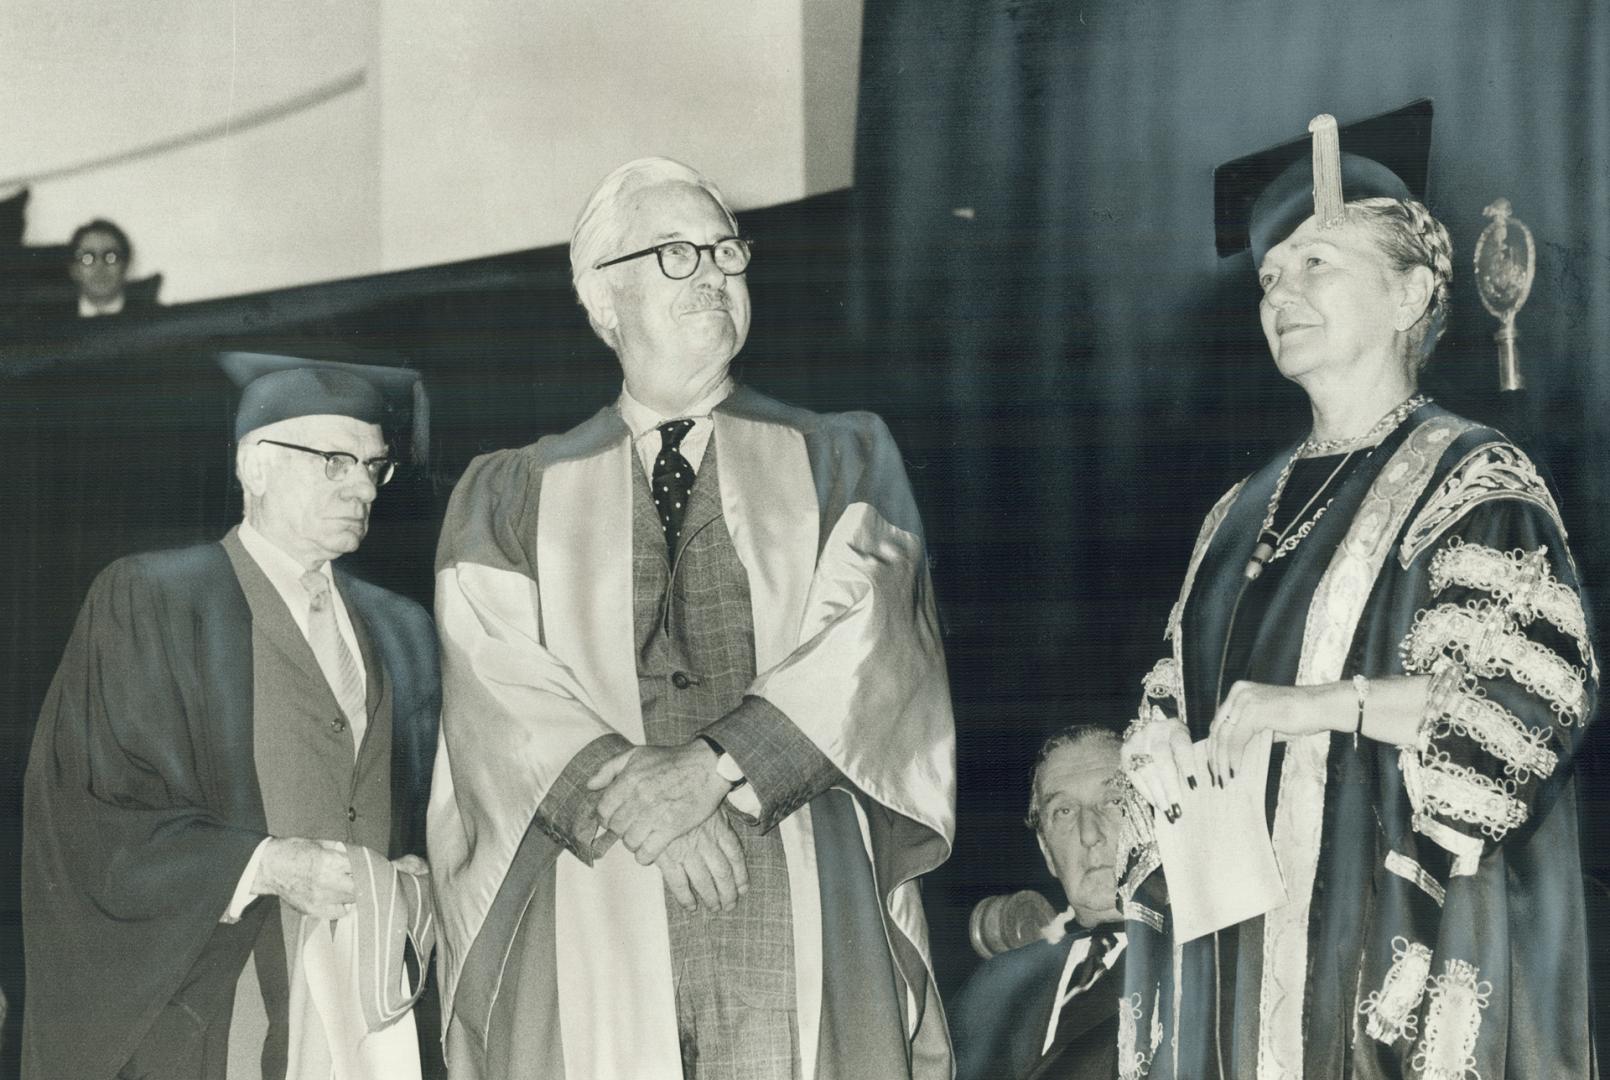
{"x": 1435, "y": 924}
{"x": 142, "y": 805}
{"x": 999, "y": 1016}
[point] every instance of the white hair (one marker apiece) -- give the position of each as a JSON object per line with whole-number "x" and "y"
{"x": 1409, "y": 236}
{"x": 601, "y": 226}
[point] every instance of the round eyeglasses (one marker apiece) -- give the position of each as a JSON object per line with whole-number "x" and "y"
{"x": 89, "y": 258}
{"x": 680, "y": 258}
{"x": 337, "y": 463}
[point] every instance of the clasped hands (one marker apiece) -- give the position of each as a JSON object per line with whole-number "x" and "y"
{"x": 1157, "y": 756}
{"x": 662, "y": 802}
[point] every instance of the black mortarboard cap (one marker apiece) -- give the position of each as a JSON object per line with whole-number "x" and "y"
{"x": 1258, "y": 200}
{"x": 275, "y": 387}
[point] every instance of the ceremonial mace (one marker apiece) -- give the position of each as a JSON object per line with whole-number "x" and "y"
{"x": 1504, "y": 271}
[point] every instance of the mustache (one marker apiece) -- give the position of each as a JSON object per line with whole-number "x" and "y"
{"x": 706, "y": 299}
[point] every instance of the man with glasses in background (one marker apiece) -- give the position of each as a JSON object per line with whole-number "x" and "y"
{"x": 238, "y": 739}
{"x": 693, "y": 695}
{"x": 101, "y": 257}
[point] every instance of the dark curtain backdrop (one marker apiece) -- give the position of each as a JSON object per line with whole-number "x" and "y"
{"x": 1023, "y": 283}
{"x": 1035, "y": 187}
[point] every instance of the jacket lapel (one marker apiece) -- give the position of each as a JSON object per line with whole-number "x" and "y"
{"x": 1039, "y": 1015}
{"x": 1082, "y": 1049}
{"x": 270, "y": 617}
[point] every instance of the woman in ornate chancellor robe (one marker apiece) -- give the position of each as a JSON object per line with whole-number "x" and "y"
{"x": 1396, "y": 603}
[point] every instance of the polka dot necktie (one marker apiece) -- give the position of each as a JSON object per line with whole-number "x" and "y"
{"x": 673, "y": 479}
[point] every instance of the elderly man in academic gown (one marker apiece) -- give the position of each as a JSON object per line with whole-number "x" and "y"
{"x": 235, "y": 735}
{"x": 697, "y": 741}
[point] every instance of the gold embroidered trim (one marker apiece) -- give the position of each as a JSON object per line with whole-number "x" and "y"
{"x": 1481, "y": 638}
{"x": 1391, "y": 1013}
{"x": 1466, "y": 850}
{"x": 1524, "y": 751}
{"x": 1133, "y": 1062}
{"x": 1411, "y": 871}
{"x": 1136, "y": 841}
{"x": 1179, "y": 998}
{"x": 1162, "y": 683}
{"x": 1463, "y": 794}
{"x": 1493, "y": 471}
{"x": 1523, "y": 580}
{"x": 1135, "y": 911}
{"x": 1453, "y": 1022}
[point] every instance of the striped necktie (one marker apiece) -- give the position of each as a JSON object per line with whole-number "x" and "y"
{"x": 335, "y": 659}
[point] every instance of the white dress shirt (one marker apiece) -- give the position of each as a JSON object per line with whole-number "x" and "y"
{"x": 643, "y": 423}
{"x": 88, "y": 309}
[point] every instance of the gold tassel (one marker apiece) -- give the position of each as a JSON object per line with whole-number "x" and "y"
{"x": 1327, "y": 170}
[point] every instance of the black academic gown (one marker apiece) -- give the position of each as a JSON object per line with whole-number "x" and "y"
{"x": 142, "y": 807}
{"x": 999, "y": 1017}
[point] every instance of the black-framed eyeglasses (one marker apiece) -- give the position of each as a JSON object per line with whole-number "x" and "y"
{"x": 338, "y": 463}
{"x": 680, "y": 258}
{"x": 89, "y": 258}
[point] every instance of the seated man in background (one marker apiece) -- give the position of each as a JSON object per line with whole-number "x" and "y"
{"x": 1050, "y": 1009}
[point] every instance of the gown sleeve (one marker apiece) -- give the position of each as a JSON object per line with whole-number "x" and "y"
{"x": 1502, "y": 632}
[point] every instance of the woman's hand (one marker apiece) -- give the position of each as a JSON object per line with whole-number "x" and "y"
{"x": 1252, "y": 707}
{"x": 1157, "y": 758}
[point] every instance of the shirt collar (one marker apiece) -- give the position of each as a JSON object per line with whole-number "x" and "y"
{"x": 284, "y": 572}
{"x": 88, "y": 310}
{"x": 640, "y": 419}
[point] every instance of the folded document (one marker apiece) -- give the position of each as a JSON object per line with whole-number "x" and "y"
{"x": 1217, "y": 856}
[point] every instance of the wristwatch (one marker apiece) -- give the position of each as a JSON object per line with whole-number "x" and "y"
{"x": 726, "y": 766}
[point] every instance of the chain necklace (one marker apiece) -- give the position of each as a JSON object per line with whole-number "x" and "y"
{"x": 1312, "y": 447}
{"x": 1286, "y": 541}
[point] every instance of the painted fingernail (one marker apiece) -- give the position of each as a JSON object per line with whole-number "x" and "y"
{"x": 1191, "y": 782}
{"x": 1175, "y": 807}
{"x": 1232, "y": 772}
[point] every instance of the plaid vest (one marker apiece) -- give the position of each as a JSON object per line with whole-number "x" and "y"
{"x": 695, "y": 658}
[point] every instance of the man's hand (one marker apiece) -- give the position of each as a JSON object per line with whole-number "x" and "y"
{"x": 413, "y": 865}
{"x": 705, "y": 866}
{"x": 313, "y": 876}
{"x": 654, "y": 794}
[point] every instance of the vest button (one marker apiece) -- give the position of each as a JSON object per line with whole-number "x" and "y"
{"x": 680, "y": 680}
{"x": 352, "y": 813}
{"x": 338, "y": 725}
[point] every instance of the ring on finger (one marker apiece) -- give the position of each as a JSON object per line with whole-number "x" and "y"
{"x": 1139, "y": 761}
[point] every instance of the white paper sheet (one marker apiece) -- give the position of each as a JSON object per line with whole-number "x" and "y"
{"x": 1217, "y": 857}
